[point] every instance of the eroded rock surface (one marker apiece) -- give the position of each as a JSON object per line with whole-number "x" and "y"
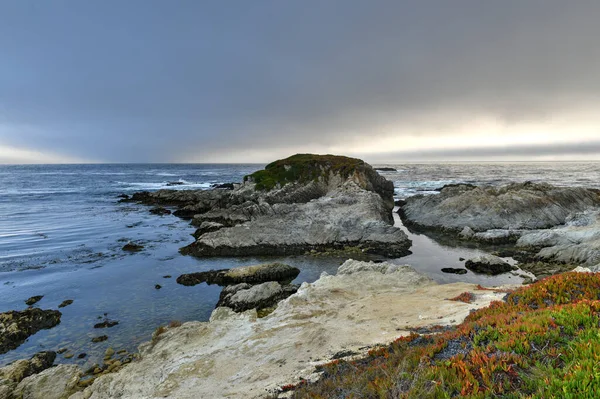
{"x": 517, "y": 206}
{"x": 17, "y": 326}
{"x": 299, "y": 204}
{"x": 236, "y": 355}
{"x": 242, "y": 297}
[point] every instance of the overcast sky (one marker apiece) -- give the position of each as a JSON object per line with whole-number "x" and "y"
{"x": 250, "y": 81}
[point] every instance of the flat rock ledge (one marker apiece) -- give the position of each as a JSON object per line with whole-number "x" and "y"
{"x": 238, "y": 355}
{"x": 255, "y": 274}
{"x": 17, "y": 326}
{"x": 295, "y": 205}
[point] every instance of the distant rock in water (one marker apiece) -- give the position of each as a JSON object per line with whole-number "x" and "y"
{"x": 132, "y": 247}
{"x": 175, "y": 183}
{"x": 248, "y": 274}
{"x": 33, "y": 300}
{"x": 488, "y": 264}
{"x": 225, "y": 186}
{"x": 295, "y": 205}
{"x": 17, "y": 326}
{"x": 386, "y": 169}
{"x": 159, "y": 210}
{"x": 65, "y": 303}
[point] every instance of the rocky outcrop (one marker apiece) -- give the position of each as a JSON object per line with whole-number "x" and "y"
{"x": 365, "y": 304}
{"x": 242, "y": 297}
{"x": 577, "y": 242}
{"x": 510, "y": 208}
{"x": 255, "y": 274}
{"x": 299, "y": 204}
{"x": 489, "y": 264}
{"x": 17, "y": 326}
{"x": 14, "y": 373}
{"x": 58, "y": 382}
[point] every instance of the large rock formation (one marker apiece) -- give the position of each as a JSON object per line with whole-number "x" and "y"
{"x": 254, "y": 274}
{"x": 17, "y": 326}
{"x": 298, "y": 204}
{"x": 497, "y": 214}
{"x": 240, "y": 355}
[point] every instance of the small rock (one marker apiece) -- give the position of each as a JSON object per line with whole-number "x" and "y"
{"x": 81, "y": 356}
{"x": 175, "y": 183}
{"x": 109, "y": 353}
{"x": 68, "y": 355}
{"x": 158, "y": 286}
{"x": 488, "y": 264}
{"x": 453, "y": 270}
{"x": 160, "y": 211}
{"x": 106, "y": 324}
{"x": 101, "y": 338}
{"x": 461, "y": 259}
{"x": 167, "y": 276}
{"x": 65, "y": 303}
{"x": 466, "y": 233}
{"x": 132, "y": 247}
{"x": 33, "y": 300}
{"x": 242, "y": 297}
{"x": 61, "y": 351}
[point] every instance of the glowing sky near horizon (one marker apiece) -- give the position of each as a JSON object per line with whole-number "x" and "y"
{"x": 211, "y": 81}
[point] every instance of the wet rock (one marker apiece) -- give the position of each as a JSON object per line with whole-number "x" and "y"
{"x": 248, "y": 274}
{"x": 167, "y": 276}
{"x": 461, "y": 259}
{"x": 160, "y": 211}
{"x": 175, "y": 183}
{"x": 242, "y": 297}
{"x": 157, "y": 286}
{"x": 61, "y": 351}
{"x": 33, "y": 300}
{"x": 106, "y": 323}
{"x": 58, "y": 382}
{"x": 65, "y": 303}
{"x": 132, "y": 247}
{"x": 453, "y": 270}
{"x": 17, "y": 326}
{"x": 101, "y": 338}
{"x": 488, "y": 264}
{"x": 466, "y": 233}
{"x": 82, "y": 356}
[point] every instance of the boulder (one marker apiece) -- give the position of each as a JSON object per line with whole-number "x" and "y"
{"x": 488, "y": 264}
{"x": 21, "y": 369}
{"x": 242, "y": 297}
{"x": 17, "y": 326}
{"x": 248, "y": 274}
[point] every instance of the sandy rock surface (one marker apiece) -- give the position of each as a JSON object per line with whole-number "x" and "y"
{"x": 236, "y": 355}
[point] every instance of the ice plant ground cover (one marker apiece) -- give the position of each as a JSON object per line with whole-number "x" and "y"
{"x": 543, "y": 341}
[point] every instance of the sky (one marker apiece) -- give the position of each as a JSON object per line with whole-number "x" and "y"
{"x": 253, "y": 81}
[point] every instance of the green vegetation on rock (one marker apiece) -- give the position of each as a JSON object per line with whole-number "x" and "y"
{"x": 543, "y": 342}
{"x": 303, "y": 168}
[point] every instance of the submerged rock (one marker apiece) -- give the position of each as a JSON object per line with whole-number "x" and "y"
{"x": 242, "y": 297}
{"x": 65, "y": 303}
{"x": 488, "y": 264}
{"x": 132, "y": 247}
{"x": 516, "y": 206}
{"x": 33, "y": 300}
{"x": 17, "y": 326}
{"x": 248, "y": 274}
{"x": 159, "y": 210}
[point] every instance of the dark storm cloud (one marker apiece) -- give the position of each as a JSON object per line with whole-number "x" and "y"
{"x": 161, "y": 81}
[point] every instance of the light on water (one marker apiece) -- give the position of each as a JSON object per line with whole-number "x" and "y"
{"x": 62, "y": 230}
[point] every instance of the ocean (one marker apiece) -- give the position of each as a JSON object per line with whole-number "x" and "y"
{"x": 62, "y": 230}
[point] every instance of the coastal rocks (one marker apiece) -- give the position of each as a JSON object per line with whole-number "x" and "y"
{"x": 101, "y": 338}
{"x": 516, "y": 206}
{"x": 385, "y": 169}
{"x": 295, "y": 205}
{"x": 132, "y": 247}
{"x": 242, "y": 297}
{"x": 33, "y": 300}
{"x": 21, "y": 369}
{"x": 17, "y": 326}
{"x": 488, "y": 264}
{"x": 453, "y": 270}
{"x": 346, "y": 312}
{"x": 248, "y": 274}
{"x": 58, "y": 382}
{"x": 577, "y": 242}
{"x": 160, "y": 211}
{"x": 65, "y": 303}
